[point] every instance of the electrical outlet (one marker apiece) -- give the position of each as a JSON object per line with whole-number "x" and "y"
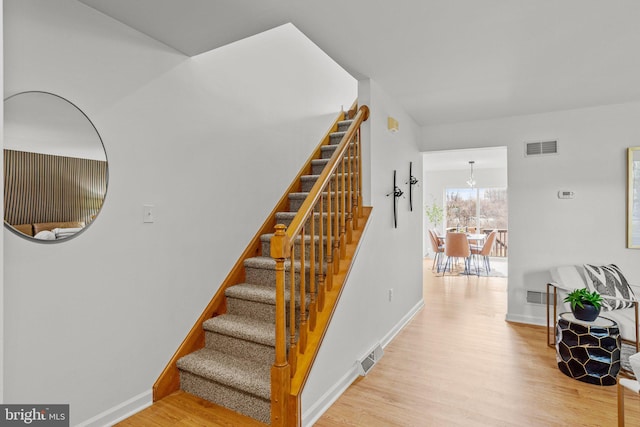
{"x": 391, "y": 294}
{"x": 562, "y": 194}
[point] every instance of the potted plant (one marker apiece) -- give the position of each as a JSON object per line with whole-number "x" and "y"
{"x": 434, "y": 213}
{"x": 585, "y": 305}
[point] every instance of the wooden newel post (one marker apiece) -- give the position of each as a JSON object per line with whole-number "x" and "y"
{"x": 280, "y": 371}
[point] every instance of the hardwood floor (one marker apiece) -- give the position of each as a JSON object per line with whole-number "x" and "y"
{"x": 186, "y": 410}
{"x": 458, "y": 363}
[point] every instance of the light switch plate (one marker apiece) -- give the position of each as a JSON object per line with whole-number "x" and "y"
{"x": 148, "y": 213}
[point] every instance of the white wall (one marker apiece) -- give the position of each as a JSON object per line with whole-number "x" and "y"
{"x": 543, "y": 230}
{"x": 389, "y": 258}
{"x": 2, "y": 323}
{"x": 434, "y": 183}
{"x": 93, "y": 321}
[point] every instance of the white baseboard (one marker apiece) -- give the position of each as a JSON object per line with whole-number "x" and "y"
{"x": 402, "y": 323}
{"x": 529, "y": 320}
{"x": 310, "y": 416}
{"x": 315, "y": 411}
{"x": 119, "y": 412}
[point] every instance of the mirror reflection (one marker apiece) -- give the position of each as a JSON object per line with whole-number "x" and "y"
{"x": 55, "y": 167}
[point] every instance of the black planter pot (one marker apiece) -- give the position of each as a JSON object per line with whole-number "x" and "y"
{"x": 588, "y": 313}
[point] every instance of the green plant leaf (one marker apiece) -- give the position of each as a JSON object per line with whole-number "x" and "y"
{"x": 578, "y": 297}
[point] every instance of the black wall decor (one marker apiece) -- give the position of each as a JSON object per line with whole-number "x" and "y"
{"x": 397, "y": 192}
{"x": 412, "y": 181}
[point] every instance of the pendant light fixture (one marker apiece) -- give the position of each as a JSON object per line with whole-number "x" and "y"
{"x": 471, "y": 182}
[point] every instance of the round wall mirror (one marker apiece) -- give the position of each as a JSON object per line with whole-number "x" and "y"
{"x": 55, "y": 167}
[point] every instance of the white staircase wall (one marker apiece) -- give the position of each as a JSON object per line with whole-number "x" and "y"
{"x": 93, "y": 321}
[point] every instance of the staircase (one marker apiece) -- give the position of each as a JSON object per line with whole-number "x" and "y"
{"x": 234, "y": 366}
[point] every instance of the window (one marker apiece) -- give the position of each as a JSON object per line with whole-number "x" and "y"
{"x": 479, "y": 208}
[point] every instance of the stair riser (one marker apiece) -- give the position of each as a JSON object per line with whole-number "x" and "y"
{"x": 342, "y": 127}
{"x": 241, "y": 348}
{"x": 236, "y": 400}
{"x": 307, "y": 184}
{"x": 286, "y": 221}
{"x": 264, "y": 277}
{"x": 318, "y": 166}
{"x": 253, "y": 309}
{"x": 326, "y": 151}
{"x": 295, "y": 202}
{"x": 335, "y": 139}
{"x": 257, "y": 310}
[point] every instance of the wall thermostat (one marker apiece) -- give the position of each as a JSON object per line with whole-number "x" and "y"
{"x": 562, "y": 194}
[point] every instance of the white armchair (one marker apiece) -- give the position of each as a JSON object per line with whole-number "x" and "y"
{"x": 567, "y": 278}
{"x": 628, "y": 383}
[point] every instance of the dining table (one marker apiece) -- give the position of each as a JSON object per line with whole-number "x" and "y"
{"x": 476, "y": 238}
{"x": 473, "y": 238}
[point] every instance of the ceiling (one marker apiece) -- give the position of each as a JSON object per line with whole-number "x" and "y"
{"x": 442, "y": 60}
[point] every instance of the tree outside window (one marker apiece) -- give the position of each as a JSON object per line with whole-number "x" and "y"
{"x": 479, "y": 208}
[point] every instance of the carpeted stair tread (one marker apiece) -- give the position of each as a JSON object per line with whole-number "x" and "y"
{"x": 303, "y": 195}
{"x": 242, "y": 327}
{"x": 322, "y": 162}
{"x": 298, "y": 195}
{"x": 259, "y": 293}
{"x": 268, "y": 263}
{"x": 246, "y": 375}
{"x": 290, "y": 215}
{"x": 326, "y": 151}
{"x": 343, "y": 125}
{"x": 251, "y": 292}
{"x": 264, "y": 262}
{"x": 333, "y": 143}
{"x": 307, "y": 238}
{"x": 308, "y": 181}
{"x": 284, "y": 216}
{"x": 312, "y": 178}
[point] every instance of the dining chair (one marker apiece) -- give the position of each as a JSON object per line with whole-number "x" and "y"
{"x": 484, "y": 251}
{"x": 456, "y": 245}
{"x": 628, "y": 383}
{"x": 438, "y": 249}
{"x": 439, "y": 239}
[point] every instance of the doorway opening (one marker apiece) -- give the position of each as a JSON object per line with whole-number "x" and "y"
{"x": 466, "y": 191}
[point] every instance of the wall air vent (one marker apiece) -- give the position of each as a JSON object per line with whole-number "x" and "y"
{"x": 366, "y": 363}
{"x": 540, "y": 148}
{"x": 534, "y": 297}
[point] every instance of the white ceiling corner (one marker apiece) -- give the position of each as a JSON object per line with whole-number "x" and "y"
{"x": 443, "y": 61}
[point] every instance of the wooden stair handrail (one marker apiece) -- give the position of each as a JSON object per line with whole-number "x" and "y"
{"x": 305, "y": 210}
{"x": 285, "y": 401}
